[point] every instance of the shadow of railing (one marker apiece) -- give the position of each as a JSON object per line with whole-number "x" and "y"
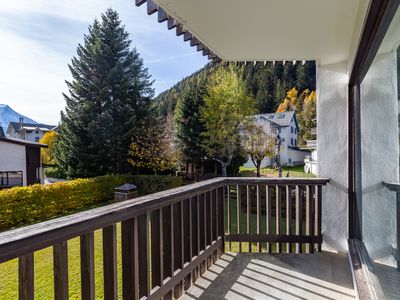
{"x": 260, "y": 276}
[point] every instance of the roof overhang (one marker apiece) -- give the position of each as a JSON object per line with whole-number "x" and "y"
{"x": 261, "y": 30}
{"x": 22, "y": 142}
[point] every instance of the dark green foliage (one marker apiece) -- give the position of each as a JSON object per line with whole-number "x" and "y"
{"x": 267, "y": 83}
{"x": 109, "y": 99}
{"x": 25, "y": 205}
{"x": 189, "y": 126}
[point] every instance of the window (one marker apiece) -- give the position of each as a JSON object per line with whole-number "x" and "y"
{"x": 281, "y": 116}
{"x": 10, "y": 179}
{"x": 37, "y": 139}
{"x": 291, "y": 141}
{"x": 379, "y": 160}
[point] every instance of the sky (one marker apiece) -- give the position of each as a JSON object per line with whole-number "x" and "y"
{"x": 38, "y": 38}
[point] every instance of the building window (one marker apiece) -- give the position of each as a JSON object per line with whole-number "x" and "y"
{"x": 291, "y": 141}
{"x": 37, "y": 139}
{"x": 10, "y": 179}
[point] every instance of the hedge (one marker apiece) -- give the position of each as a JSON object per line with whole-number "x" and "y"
{"x": 35, "y": 203}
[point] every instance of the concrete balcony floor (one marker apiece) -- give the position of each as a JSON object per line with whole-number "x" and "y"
{"x": 276, "y": 276}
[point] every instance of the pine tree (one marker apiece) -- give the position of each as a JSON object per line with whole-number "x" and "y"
{"x": 189, "y": 126}
{"x": 108, "y": 101}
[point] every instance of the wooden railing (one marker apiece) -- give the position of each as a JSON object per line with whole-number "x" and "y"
{"x": 275, "y": 215}
{"x": 169, "y": 239}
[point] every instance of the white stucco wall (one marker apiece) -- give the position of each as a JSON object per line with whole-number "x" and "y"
{"x": 13, "y": 158}
{"x": 332, "y": 83}
{"x": 379, "y": 156}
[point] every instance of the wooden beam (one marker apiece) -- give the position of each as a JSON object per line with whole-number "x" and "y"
{"x": 187, "y": 36}
{"x": 139, "y": 2}
{"x": 194, "y": 42}
{"x": 273, "y": 238}
{"x": 171, "y": 23}
{"x": 151, "y": 7}
{"x": 179, "y": 30}
{"x": 162, "y": 15}
{"x": 200, "y": 47}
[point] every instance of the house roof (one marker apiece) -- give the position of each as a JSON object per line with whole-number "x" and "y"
{"x": 240, "y": 31}
{"x": 21, "y": 142}
{"x": 282, "y": 119}
{"x": 30, "y": 126}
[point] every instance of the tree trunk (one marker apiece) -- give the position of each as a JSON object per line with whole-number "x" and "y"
{"x": 224, "y": 173}
{"x": 258, "y": 169}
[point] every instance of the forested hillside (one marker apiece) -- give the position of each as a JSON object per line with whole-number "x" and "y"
{"x": 267, "y": 83}
{"x": 274, "y": 87}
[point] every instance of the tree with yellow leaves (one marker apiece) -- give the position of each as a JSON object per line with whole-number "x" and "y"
{"x": 48, "y": 153}
{"x": 152, "y": 148}
{"x": 225, "y": 107}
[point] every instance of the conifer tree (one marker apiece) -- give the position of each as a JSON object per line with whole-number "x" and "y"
{"x": 189, "y": 125}
{"x": 108, "y": 101}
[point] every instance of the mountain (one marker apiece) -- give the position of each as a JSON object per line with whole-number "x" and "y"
{"x": 7, "y": 115}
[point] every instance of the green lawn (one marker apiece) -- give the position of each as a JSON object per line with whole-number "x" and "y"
{"x": 296, "y": 171}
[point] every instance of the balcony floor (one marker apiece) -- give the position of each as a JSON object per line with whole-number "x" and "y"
{"x": 276, "y": 276}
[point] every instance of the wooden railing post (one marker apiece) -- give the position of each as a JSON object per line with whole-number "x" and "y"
{"x": 26, "y": 277}
{"x": 110, "y": 262}
{"x": 87, "y": 266}
{"x": 60, "y": 259}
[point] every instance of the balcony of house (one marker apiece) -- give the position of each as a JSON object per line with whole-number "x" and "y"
{"x": 249, "y": 238}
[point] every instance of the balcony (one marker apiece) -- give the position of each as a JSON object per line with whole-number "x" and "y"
{"x": 225, "y": 237}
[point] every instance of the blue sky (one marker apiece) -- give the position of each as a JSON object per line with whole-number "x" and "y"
{"x": 39, "y": 38}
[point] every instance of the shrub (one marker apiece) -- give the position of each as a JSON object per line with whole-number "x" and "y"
{"x": 148, "y": 184}
{"x": 35, "y": 203}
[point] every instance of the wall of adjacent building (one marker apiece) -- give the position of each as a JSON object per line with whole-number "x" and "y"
{"x": 332, "y": 81}
{"x": 13, "y": 158}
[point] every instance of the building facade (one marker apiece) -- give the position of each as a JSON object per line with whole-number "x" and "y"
{"x": 20, "y": 163}
{"x": 27, "y": 131}
{"x": 285, "y": 125}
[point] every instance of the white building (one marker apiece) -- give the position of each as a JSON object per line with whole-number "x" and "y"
{"x": 287, "y": 126}
{"x": 311, "y": 161}
{"x": 27, "y": 131}
{"x": 20, "y": 162}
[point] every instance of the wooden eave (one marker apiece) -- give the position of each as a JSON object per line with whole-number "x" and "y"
{"x": 162, "y": 16}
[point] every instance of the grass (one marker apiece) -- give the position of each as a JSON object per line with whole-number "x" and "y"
{"x": 295, "y": 171}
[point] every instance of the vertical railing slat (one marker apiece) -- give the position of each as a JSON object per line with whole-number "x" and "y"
{"x": 221, "y": 218}
{"x": 143, "y": 240}
{"x": 156, "y": 249}
{"x": 268, "y": 214}
{"x": 248, "y": 212}
{"x": 87, "y": 266}
{"x": 238, "y": 210}
{"x": 318, "y": 211}
{"x": 258, "y": 216}
{"x": 299, "y": 218}
{"x": 26, "y": 277}
{"x": 228, "y": 207}
{"x": 308, "y": 216}
{"x": 188, "y": 238}
{"x": 288, "y": 217}
{"x": 178, "y": 247}
{"x": 278, "y": 216}
{"x": 167, "y": 232}
{"x": 60, "y": 260}
{"x": 110, "y": 262}
{"x": 130, "y": 280}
